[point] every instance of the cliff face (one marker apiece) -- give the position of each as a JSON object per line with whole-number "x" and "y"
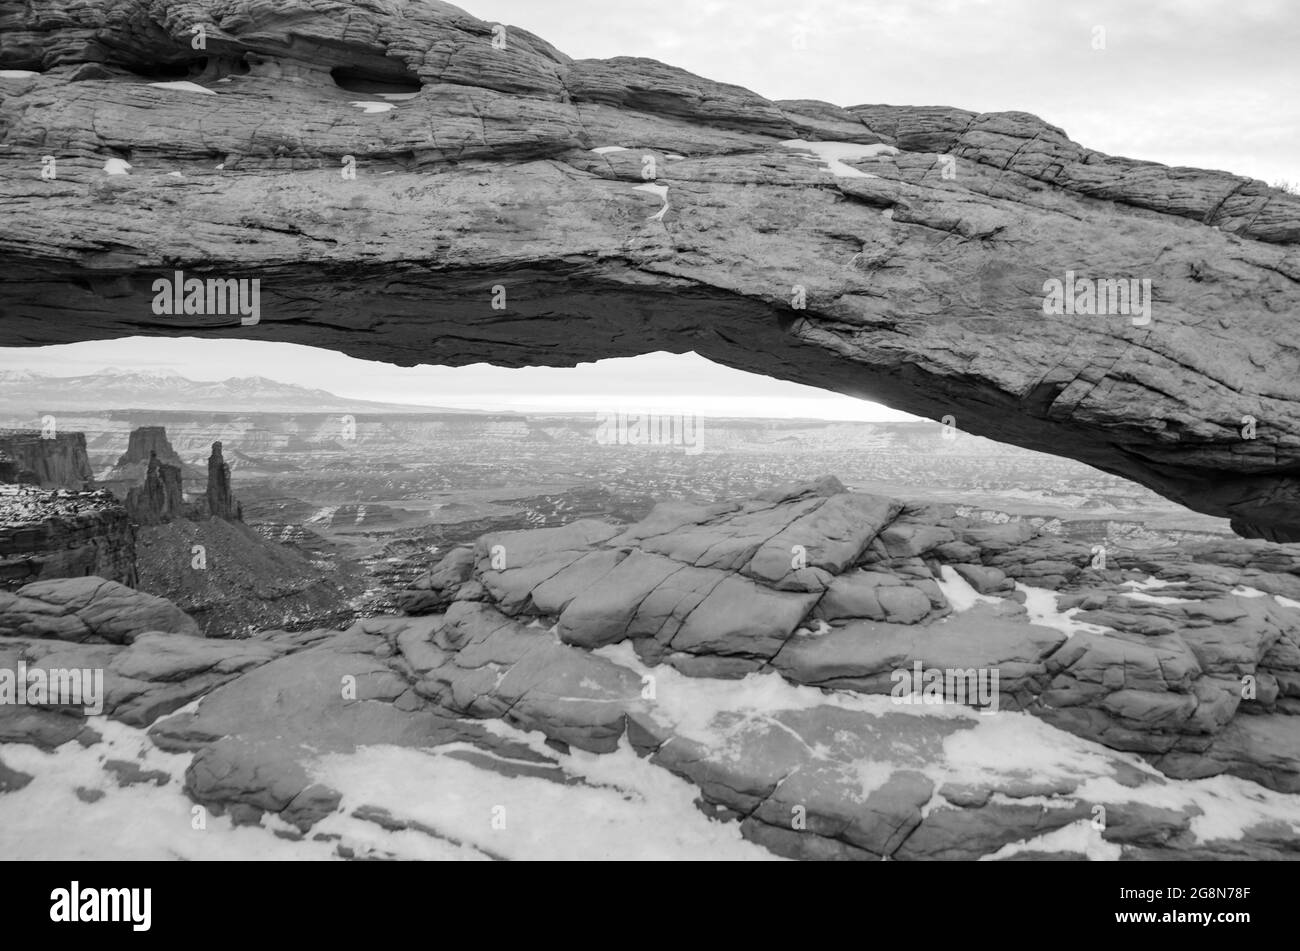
{"x": 56, "y": 462}
{"x": 161, "y": 498}
{"x": 132, "y": 466}
{"x": 58, "y": 534}
{"x": 150, "y": 476}
{"x": 902, "y": 254}
{"x": 220, "y": 499}
{"x": 146, "y": 442}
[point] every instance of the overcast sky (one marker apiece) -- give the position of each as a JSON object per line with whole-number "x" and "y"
{"x": 1206, "y": 83}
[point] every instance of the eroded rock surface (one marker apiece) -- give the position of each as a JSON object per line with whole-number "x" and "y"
{"x": 219, "y": 500}
{"x": 912, "y": 271}
{"x": 1185, "y": 658}
{"x": 806, "y": 774}
{"x": 52, "y": 460}
{"x": 60, "y": 533}
{"x": 160, "y": 498}
{"x": 270, "y": 724}
{"x": 88, "y": 610}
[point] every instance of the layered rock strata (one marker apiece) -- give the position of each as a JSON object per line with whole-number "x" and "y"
{"x": 382, "y": 173}
{"x": 62, "y": 534}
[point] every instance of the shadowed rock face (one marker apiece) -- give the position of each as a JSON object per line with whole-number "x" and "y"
{"x": 133, "y": 467}
{"x": 147, "y": 442}
{"x": 220, "y": 498}
{"x": 53, "y": 461}
{"x": 914, "y": 275}
{"x": 161, "y": 498}
{"x": 47, "y": 534}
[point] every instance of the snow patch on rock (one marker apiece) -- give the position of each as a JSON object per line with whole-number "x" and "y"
{"x": 1242, "y": 591}
{"x": 184, "y": 86}
{"x": 834, "y": 155}
{"x": 662, "y": 192}
{"x": 622, "y": 807}
{"x": 1041, "y": 605}
{"x": 1079, "y": 838}
{"x": 958, "y": 591}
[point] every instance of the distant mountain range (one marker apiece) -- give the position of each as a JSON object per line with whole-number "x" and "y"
{"x": 25, "y": 392}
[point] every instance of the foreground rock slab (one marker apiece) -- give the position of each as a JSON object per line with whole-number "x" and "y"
{"x": 477, "y": 734}
{"x": 1191, "y": 659}
{"x": 88, "y": 609}
{"x": 801, "y": 772}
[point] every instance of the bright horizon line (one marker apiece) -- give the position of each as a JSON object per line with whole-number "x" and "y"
{"x": 656, "y": 382}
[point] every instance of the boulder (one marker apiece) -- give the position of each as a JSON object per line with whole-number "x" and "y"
{"x": 88, "y": 609}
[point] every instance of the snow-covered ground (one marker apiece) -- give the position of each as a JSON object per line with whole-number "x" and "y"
{"x": 616, "y": 806}
{"x": 461, "y": 802}
{"x": 47, "y": 820}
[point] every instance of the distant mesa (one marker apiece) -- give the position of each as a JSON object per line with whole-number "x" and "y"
{"x": 53, "y": 461}
{"x": 23, "y": 391}
{"x": 243, "y": 582}
{"x": 158, "y": 495}
{"x": 56, "y": 523}
{"x": 144, "y": 443}
{"x": 147, "y": 441}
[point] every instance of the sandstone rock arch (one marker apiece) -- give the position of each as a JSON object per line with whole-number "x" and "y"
{"x": 921, "y": 267}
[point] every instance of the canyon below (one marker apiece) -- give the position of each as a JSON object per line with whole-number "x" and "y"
{"x": 697, "y": 649}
